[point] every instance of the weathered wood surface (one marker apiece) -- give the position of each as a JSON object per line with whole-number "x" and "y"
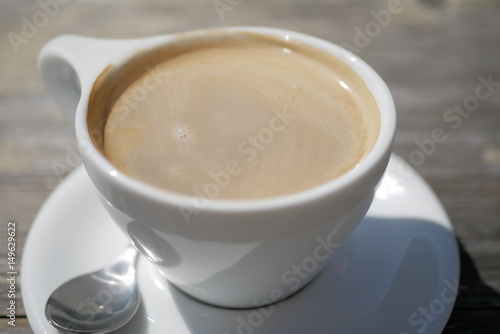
{"x": 432, "y": 53}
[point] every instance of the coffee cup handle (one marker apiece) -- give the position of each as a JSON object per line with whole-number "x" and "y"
{"x": 70, "y": 64}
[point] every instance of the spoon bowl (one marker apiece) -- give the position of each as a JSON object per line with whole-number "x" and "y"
{"x": 98, "y": 302}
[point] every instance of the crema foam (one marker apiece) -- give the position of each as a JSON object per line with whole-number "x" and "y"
{"x": 242, "y": 120}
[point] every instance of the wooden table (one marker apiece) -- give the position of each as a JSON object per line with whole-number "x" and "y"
{"x": 434, "y": 54}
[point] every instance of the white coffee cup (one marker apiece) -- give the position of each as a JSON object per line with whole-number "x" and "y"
{"x": 230, "y": 253}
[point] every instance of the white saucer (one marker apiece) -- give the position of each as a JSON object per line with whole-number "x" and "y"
{"x": 397, "y": 274}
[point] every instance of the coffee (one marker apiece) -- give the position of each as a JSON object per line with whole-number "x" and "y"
{"x": 238, "y": 118}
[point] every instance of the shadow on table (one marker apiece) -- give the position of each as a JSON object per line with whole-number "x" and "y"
{"x": 477, "y": 304}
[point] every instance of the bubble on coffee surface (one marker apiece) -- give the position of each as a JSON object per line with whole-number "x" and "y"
{"x": 181, "y": 131}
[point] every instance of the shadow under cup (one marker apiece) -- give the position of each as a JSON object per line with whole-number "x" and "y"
{"x": 235, "y": 253}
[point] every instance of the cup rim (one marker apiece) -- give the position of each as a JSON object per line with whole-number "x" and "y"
{"x": 382, "y": 145}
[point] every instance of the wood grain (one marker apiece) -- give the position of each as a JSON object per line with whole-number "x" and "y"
{"x": 432, "y": 53}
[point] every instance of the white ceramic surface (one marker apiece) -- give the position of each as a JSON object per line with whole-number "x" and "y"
{"x": 396, "y": 274}
{"x": 208, "y": 247}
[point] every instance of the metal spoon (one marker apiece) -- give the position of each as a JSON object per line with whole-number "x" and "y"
{"x": 99, "y": 302}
